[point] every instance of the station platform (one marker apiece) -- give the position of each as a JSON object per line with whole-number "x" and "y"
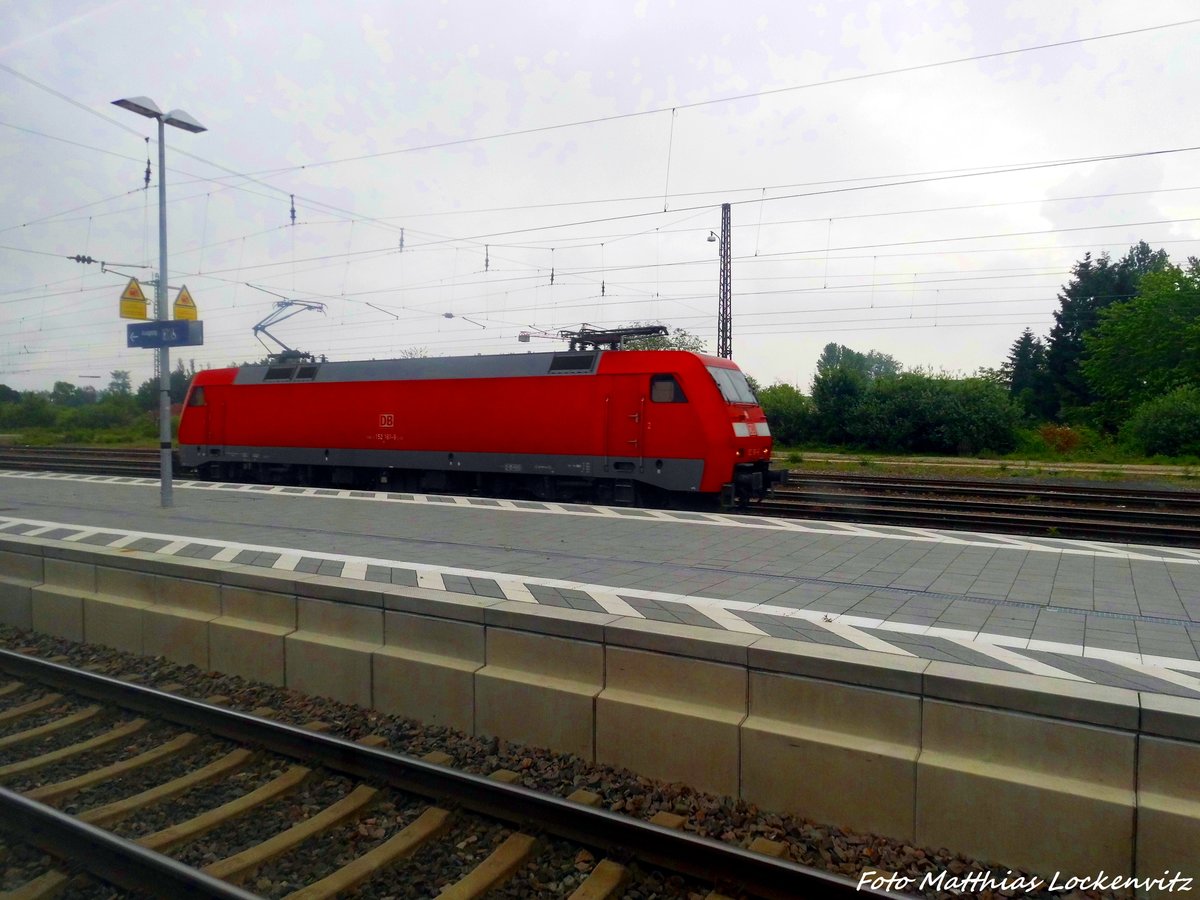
{"x": 1116, "y": 615}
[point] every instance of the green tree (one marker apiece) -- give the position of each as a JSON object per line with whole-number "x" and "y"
{"x": 1027, "y": 377}
{"x": 1148, "y": 346}
{"x": 9, "y": 395}
{"x": 119, "y": 383}
{"x": 1094, "y": 285}
{"x": 66, "y": 395}
{"x": 836, "y": 394}
{"x": 146, "y": 396}
{"x": 870, "y": 365}
{"x": 180, "y": 379}
{"x": 841, "y": 381}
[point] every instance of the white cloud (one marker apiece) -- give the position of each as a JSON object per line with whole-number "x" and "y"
{"x": 867, "y": 268}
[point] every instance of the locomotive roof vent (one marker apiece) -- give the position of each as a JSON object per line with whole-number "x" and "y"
{"x": 572, "y": 363}
{"x": 279, "y": 373}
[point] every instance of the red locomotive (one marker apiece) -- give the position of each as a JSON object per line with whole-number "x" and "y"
{"x": 647, "y": 427}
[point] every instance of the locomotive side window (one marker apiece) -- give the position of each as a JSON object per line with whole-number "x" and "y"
{"x": 733, "y": 385}
{"x": 665, "y": 389}
{"x": 197, "y": 397}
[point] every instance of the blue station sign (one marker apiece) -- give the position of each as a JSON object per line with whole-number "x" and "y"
{"x": 173, "y": 333}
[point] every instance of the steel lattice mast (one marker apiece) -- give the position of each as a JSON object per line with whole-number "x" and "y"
{"x": 725, "y": 293}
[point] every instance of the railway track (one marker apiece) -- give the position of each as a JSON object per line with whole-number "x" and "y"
{"x": 170, "y": 796}
{"x": 1105, "y": 513}
{"x": 133, "y": 461}
{"x": 1119, "y": 514}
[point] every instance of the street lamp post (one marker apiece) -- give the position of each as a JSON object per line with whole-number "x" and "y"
{"x": 144, "y": 106}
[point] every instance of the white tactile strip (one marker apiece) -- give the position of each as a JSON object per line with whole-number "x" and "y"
{"x": 1061, "y": 546}
{"x": 1065, "y": 661}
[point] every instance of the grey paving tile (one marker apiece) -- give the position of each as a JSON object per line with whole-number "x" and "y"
{"x": 308, "y": 565}
{"x": 151, "y": 545}
{"x": 935, "y": 648}
{"x": 487, "y": 587}
{"x": 459, "y": 584}
{"x": 405, "y": 577}
{"x": 1104, "y": 672}
{"x": 380, "y": 574}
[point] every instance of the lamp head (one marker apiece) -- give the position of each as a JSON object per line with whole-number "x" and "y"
{"x": 712, "y": 236}
{"x": 180, "y": 119}
{"x": 143, "y": 106}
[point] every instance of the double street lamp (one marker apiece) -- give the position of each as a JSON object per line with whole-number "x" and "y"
{"x": 144, "y": 106}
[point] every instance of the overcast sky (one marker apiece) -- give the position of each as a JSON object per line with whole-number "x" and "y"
{"x": 548, "y": 164}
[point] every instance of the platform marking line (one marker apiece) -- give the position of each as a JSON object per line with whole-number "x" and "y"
{"x": 1162, "y": 673}
{"x": 906, "y": 627}
{"x": 515, "y": 590}
{"x": 1003, "y": 640}
{"x": 722, "y": 612}
{"x": 174, "y": 547}
{"x": 1185, "y": 552}
{"x": 430, "y": 580}
{"x": 950, "y": 634}
{"x": 1016, "y": 660}
{"x": 1120, "y": 657}
{"x": 1005, "y": 540}
{"x": 859, "y": 621}
{"x": 1055, "y": 647}
{"x": 861, "y": 638}
{"x": 1060, "y": 546}
{"x": 936, "y": 535}
{"x": 36, "y": 532}
{"x": 1169, "y": 662}
{"x": 723, "y": 616}
{"x": 82, "y": 535}
{"x": 287, "y": 562}
{"x": 611, "y": 603}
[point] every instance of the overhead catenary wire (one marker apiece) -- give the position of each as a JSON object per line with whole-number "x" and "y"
{"x": 564, "y": 270}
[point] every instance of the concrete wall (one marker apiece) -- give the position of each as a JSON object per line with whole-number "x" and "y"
{"x": 1020, "y": 770}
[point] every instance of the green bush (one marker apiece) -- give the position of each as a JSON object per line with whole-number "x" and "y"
{"x": 788, "y": 412}
{"x": 1166, "y": 426}
{"x": 916, "y": 412}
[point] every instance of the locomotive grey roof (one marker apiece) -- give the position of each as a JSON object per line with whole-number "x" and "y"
{"x": 509, "y": 365}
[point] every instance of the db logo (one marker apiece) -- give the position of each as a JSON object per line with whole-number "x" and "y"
{"x": 387, "y": 420}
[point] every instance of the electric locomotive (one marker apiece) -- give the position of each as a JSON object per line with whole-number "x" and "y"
{"x": 627, "y": 427}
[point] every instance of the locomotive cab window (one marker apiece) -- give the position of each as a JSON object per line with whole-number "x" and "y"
{"x": 665, "y": 389}
{"x": 732, "y": 384}
{"x": 196, "y": 398}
